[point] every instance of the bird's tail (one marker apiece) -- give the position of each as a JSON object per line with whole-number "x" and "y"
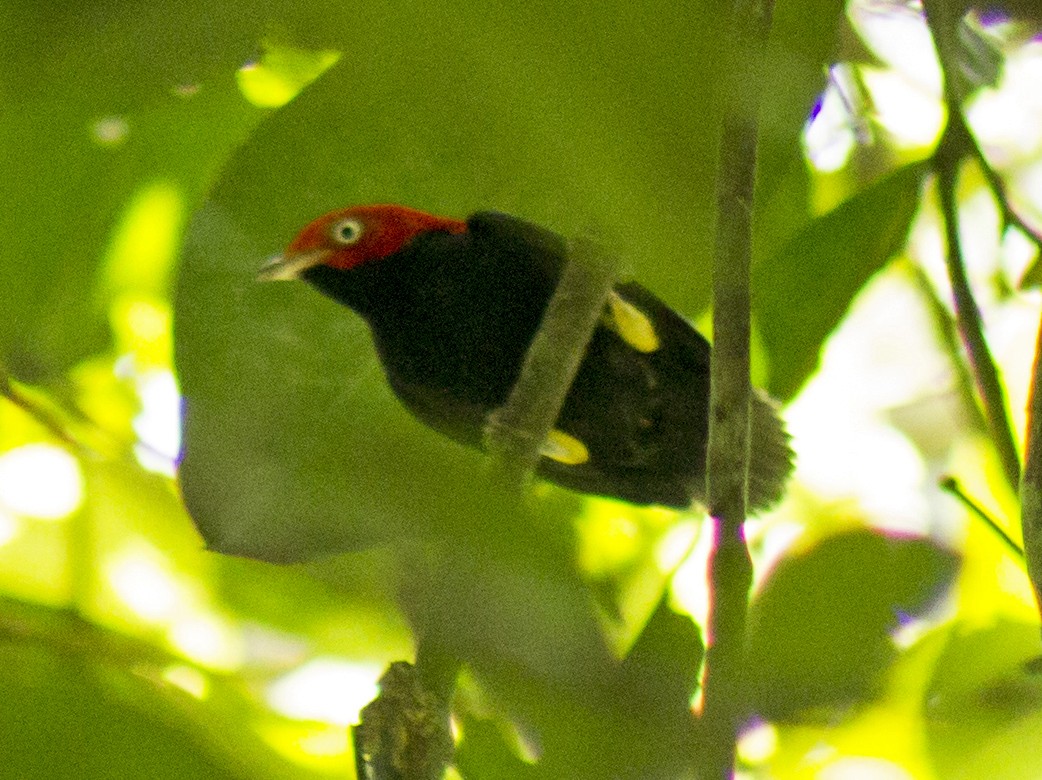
{"x": 770, "y": 456}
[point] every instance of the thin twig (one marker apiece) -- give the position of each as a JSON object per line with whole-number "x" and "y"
{"x": 948, "y": 334}
{"x": 69, "y": 424}
{"x": 942, "y": 26}
{"x": 968, "y": 318}
{"x": 45, "y": 416}
{"x": 730, "y": 568}
{"x": 952, "y": 487}
{"x": 80, "y": 528}
{"x": 998, "y": 191}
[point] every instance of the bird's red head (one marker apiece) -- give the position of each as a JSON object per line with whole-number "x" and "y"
{"x": 347, "y": 238}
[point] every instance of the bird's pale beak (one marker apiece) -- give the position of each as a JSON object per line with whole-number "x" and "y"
{"x": 290, "y": 266}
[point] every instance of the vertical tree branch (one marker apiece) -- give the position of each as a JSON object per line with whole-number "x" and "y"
{"x": 1031, "y": 485}
{"x": 955, "y": 145}
{"x": 967, "y": 314}
{"x": 730, "y": 568}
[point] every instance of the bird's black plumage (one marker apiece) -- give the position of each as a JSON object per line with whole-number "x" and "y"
{"x": 453, "y": 315}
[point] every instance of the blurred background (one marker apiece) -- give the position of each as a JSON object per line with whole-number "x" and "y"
{"x": 154, "y": 155}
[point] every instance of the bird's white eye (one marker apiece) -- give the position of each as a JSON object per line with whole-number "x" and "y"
{"x": 346, "y": 231}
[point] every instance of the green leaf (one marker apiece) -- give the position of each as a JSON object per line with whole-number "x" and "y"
{"x": 819, "y": 631}
{"x": 804, "y": 290}
{"x": 61, "y": 721}
{"x": 94, "y": 114}
{"x": 667, "y": 658}
{"x": 803, "y": 46}
{"x": 87, "y": 702}
{"x": 515, "y": 611}
{"x": 983, "y": 705}
{"x": 294, "y": 446}
{"x": 483, "y": 752}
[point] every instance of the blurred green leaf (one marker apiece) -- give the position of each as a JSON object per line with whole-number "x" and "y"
{"x": 1010, "y": 754}
{"x": 514, "y": 609}
{"x": 100, "y": 104}
{"x": 803, "y": 291}
{"x": 667, "y": 659}
{"x": 819, "y": 631}
{"x": 67, "y": 721}
{"x": 483, "y": 752}
{"x": 344, "y": 605}
{"x": 293, "y": 445}
{"x": 126, "y": 503}
{"x": 983, "y": 706}
{"x": 517, "y": 613}
{"x": 803, "y": 46}
{"x": 86, "y": 702}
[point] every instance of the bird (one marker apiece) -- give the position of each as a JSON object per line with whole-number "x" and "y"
{"x": 453, "y": 306}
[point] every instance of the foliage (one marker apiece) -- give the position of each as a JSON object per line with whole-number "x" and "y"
{"x": 159, "y": 153}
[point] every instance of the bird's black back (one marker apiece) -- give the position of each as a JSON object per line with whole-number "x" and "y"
{"x": 453, "y": 316}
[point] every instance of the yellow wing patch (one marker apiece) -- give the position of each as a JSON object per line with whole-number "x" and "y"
{"x": 564, "y": 448}
{"x": 632, "y": 325}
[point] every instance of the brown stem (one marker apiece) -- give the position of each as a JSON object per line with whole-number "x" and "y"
{"x": 955, "y": 145}
{"x": 730, "y": 568}
{"x": 967, "y": 314}
{"x": 1031, "y": 486}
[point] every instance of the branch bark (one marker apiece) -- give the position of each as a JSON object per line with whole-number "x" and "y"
{"x": 947, "y": 161}
{"x": 730, "y": 568}
{"x": 404, "y": 733}
{"x": 517, "y": 430}
{"x": 955, "y": 145}
{"x": 1031, "y": 485}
